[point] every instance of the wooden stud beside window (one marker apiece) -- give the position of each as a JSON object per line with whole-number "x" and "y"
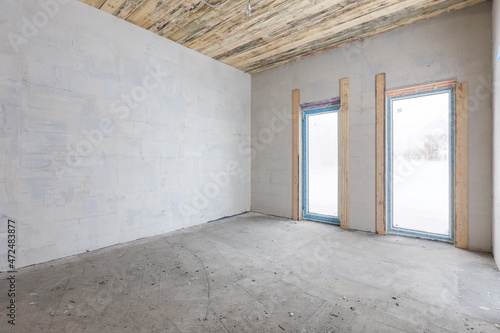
{"x": 344, "y": 155}
{"x": 461, "y": 166}
{"x": 380, "y": 227}
{"x": 295, "y": 153}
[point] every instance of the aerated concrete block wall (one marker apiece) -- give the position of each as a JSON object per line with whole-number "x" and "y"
{"x": 496, "y": 132}
{"x": 109, "y": 133}
{"x": 453, "y": 46}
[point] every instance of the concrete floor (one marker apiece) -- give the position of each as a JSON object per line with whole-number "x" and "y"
{"x": 255, "y": 273}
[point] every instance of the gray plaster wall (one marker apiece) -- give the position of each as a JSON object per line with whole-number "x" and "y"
{"x": 496, "y": 132}
{"x": 109, "y": 133}
{"x": 453, "y": 46}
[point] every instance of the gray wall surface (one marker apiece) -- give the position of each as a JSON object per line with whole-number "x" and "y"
{"x": 453, "y": 46}
{"x": 496, "y": 131}
{"x": 109, "y": 133}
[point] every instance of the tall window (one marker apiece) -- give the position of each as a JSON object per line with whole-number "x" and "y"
{"x": 420, "y": 165}
{"x": 320, "y": 163}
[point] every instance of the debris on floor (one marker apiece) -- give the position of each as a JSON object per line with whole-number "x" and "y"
{"x": 328, "y": 297}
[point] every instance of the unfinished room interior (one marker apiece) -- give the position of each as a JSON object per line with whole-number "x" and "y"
{"x": 249, "y": 166}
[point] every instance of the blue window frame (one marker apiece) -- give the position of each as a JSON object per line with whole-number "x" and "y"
{"x": 391, "y": 172}
{"x": 306, "y": 117}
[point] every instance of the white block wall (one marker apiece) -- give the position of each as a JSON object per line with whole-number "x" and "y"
{"x": 496, "y": 131}
{"x": 109, "y": 133}
{"x": 453, "y": 46}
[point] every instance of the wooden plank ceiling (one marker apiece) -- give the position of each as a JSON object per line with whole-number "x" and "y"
{"x": 278, "y": 31}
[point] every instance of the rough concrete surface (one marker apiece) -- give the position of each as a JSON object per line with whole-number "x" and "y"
{"x": 255, "y": 273}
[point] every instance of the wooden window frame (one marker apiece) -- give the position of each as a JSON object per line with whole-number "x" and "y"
{"x": 461, "y": 168}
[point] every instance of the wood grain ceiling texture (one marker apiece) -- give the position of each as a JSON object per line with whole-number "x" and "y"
{"x": 278, "y": 31}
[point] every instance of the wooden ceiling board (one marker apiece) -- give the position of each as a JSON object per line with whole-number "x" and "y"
{"x": 310, "y": 30}
{"x": 341, "y": 28}
{"x": 127, "y": 8}
{"x": 111, "y": 6}
{"x": 359, "y": 33}
{"x": 278, "y": 31}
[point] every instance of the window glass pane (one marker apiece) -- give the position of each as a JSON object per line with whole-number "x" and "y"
{"x": 322, "y": 166}
{"x": 421, "y": 163}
